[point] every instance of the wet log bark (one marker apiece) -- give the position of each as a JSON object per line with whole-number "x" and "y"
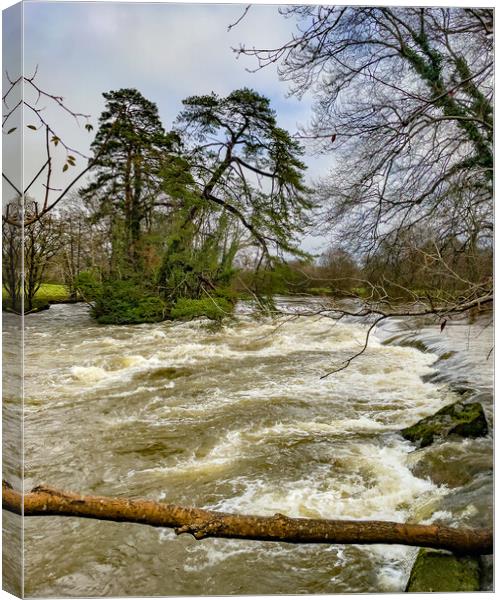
{"x": 202, "y": 523}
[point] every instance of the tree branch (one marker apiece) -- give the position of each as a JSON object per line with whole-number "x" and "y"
{"x": 44, "y": 501}
{"x": 230, "y": 208}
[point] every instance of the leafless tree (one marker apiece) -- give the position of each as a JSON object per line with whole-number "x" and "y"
{"x": 403, "y": 99}
{"x": 338, "y": 266}
{"x": 27, "y": 250}
{"x": 42, "y": 240}
{"x": 12, "y": 256}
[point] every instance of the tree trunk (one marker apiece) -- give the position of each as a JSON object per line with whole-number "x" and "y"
{"x": 278, "y": 528}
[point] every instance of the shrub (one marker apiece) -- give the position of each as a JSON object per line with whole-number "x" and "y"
{"x": 126, "y": 302}
{"x": 88, "y": 285}
{"x": 121, "y": 302}
{"x": 215, "y": 308}
{"x": 227, "y": 293}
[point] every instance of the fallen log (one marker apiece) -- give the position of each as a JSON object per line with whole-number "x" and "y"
{"x": 200, "y": 523}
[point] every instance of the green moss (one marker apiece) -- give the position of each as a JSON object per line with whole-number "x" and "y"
{"x": 435, "y": 571}
{"x": 445, "y": 465}
{"x": 464, "y": 420}
{"x": 362, "y": 292}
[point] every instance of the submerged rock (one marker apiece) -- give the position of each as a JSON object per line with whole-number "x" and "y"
{"x": 452, "y": 464}
{"x": 435, "y": 571}
{"x": 169, "y": 373}
{"x": 447, "y": 355}
{"x": 486, "y": 563}
{"x": 406, "y": 342}
{"x": 464, "y": 420}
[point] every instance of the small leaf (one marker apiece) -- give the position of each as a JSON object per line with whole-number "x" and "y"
{"x": 71, "y": 157}
{"x": 31, "y": 127}
{"x": 55, "y": 139}
{"x": 66, "y": 167}
{"x": 88, "y": 127}
{"x": 11, "y": 130}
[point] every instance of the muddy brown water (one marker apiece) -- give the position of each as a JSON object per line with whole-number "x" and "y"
{"x": 239, "y": 420}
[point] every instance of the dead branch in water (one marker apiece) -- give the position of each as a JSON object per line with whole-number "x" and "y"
{"x": 44, "y": 501}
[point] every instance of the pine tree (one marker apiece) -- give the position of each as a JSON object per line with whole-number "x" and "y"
{"x": 243, "y": 162}
{"x": 245, "y": 175}
{"x": 131, "y": 146}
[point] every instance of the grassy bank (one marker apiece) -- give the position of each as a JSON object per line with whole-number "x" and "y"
{"x": 48, "y": 292}
{"x": 52, "y": 292}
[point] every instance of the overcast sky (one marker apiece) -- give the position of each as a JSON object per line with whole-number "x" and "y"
{"x": 166, "y": 51}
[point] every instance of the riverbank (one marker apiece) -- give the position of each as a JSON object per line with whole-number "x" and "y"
{"x": 49, "y": 293}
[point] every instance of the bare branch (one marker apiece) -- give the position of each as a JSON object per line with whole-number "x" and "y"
{"x": 242, "y": 16}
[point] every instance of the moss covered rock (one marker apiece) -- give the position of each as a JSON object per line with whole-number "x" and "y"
{"x": 435, "y": 571}
{"x": 464, "y": 420}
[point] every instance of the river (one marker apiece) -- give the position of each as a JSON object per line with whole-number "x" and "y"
{"x": 239, "y": 420}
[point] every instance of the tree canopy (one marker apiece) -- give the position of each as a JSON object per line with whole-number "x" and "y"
{"x": 129, "y": 149}
{"x": 243, "y": 162}
{"x": 403, "y": 100}
{"x": 181, "y": 205}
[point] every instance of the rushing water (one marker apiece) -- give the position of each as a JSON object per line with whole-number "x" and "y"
{"x": 239, "y": 420}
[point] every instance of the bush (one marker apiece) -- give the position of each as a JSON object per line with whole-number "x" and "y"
{"x": 215, "y": 308}
{"x": 121, "y": 302}
{"x": 128, "y": 301}
{"x": 227, "y": 293}
{"x": 88, "y": 285}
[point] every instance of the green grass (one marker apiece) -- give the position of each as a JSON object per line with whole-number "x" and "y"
{"x": 48, "y": 292}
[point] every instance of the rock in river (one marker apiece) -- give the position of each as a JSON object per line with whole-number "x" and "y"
{"x": 435, "y": 571}
{"x": 464, "y": 420}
